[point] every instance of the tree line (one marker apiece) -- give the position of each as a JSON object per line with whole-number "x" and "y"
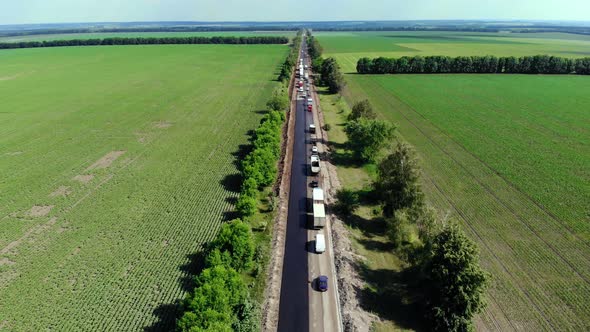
{"x": 291, "y": 60}
{"x": 444, "y": 261}
{"x": 537, "y": 64}
{"x": 148, "y": 41}
{"x": 221, "y": 300}
{"x": 328, "y": 69}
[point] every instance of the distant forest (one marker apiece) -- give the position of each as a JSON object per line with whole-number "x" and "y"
{"x": 149, "y": 41}
{"x": 460, "y": 26}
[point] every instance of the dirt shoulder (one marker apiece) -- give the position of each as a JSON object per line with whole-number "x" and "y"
{"x": 270, "y": 309}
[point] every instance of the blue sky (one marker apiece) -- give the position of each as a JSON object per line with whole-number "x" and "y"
{"x": 61, "y": 11}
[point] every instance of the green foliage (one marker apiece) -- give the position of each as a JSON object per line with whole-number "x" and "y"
{"x": 362, "y": 109}
{"x": 219, "y": 291}
{"x": 397, "y": 181}
{"x": 291, "y": 60}
{"x": 367, "y": 137}
{"x": 247, "y": 205}
{"x": 260, "y": 166}
{"x": 148, "y": 41}
{"x": 248, "y": 317}
{"x": 455, "y": 283}
{"x": 331, "y": 76}
{"x": 314, "y": 49}
{"x": 537, "y": 64}
{"x": 347, "y": 201}
{"x": 235, "y": 238}
{"x": 279, "y": 101}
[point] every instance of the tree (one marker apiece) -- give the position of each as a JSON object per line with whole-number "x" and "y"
{"x": 367, "y": 137}
{"x": 362, "y": 109}
{"x": 455, "y": 283}
{"x": 347, "y": 201}
{"x": 246, "y": 205}
{"x": 364, "y": 66}
{"x": 278, "y": 102}
{"x": 397, "y": 181}
{"x": 211, "y": 306}
{"x": 235, "y": 238}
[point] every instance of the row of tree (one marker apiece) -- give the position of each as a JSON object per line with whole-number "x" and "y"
{"x": 220, "y": 300}
{"x": 328, "y": 69}
{"x": 291, "y": 60}
{"x": 452, "y": 281}
{"x": 537, "y": 64}
{"x": 149, "y": 41}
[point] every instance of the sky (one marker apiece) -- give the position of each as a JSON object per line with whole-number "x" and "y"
{"x": 68, "y": 11}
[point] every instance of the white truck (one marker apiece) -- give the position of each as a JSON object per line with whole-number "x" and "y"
{"x": 315, "y": 164}
{"x": 320, "y": 243}
{"x": 306, "y": 77}
{"x": 319, "y": 210}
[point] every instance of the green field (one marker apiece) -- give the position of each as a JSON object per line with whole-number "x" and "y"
{"x": 117, "y": 164}
{"x": 509, "y": 157}
{"x": 69, "y": 36}
{"x": 348, "y": 47}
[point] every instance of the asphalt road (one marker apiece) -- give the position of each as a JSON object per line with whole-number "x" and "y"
{"x": 303, "y": 308}
{"x": 294, "y": 304}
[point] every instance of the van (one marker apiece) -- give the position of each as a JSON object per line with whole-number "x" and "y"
{"x": 320, "y": 243}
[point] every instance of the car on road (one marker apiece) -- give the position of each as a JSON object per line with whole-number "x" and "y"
{"x": 309, "y": 101}
{"x": 314, "y": 150}
{"x": 322, "y": 283}
{"x": 314, "y": 184}
{"x": 315, "y": 164}
{"x": 309, "y": 108}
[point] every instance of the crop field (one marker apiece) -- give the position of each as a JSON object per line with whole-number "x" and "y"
{"x": 117, "y": 164}
{"x": 509, "y": 157}
{"x": 348, "y": 47}
{"x": 69, "y": 36}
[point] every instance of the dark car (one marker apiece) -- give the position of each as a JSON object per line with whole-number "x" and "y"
{"x": 314, "y": 184}
{"x": 322, "y": 283}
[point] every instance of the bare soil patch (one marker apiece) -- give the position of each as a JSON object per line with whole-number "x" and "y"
{"x": 84, "y": 178}
{"x": 39, "y": 210}
{"x": 106, "y": 160}
{"x": 6, "y": 262}
{"x": 8, "y": 78}
{"x": 142, "y": 138}
{"x": 61, "y": 191}
{"x": 162, "y": 124}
